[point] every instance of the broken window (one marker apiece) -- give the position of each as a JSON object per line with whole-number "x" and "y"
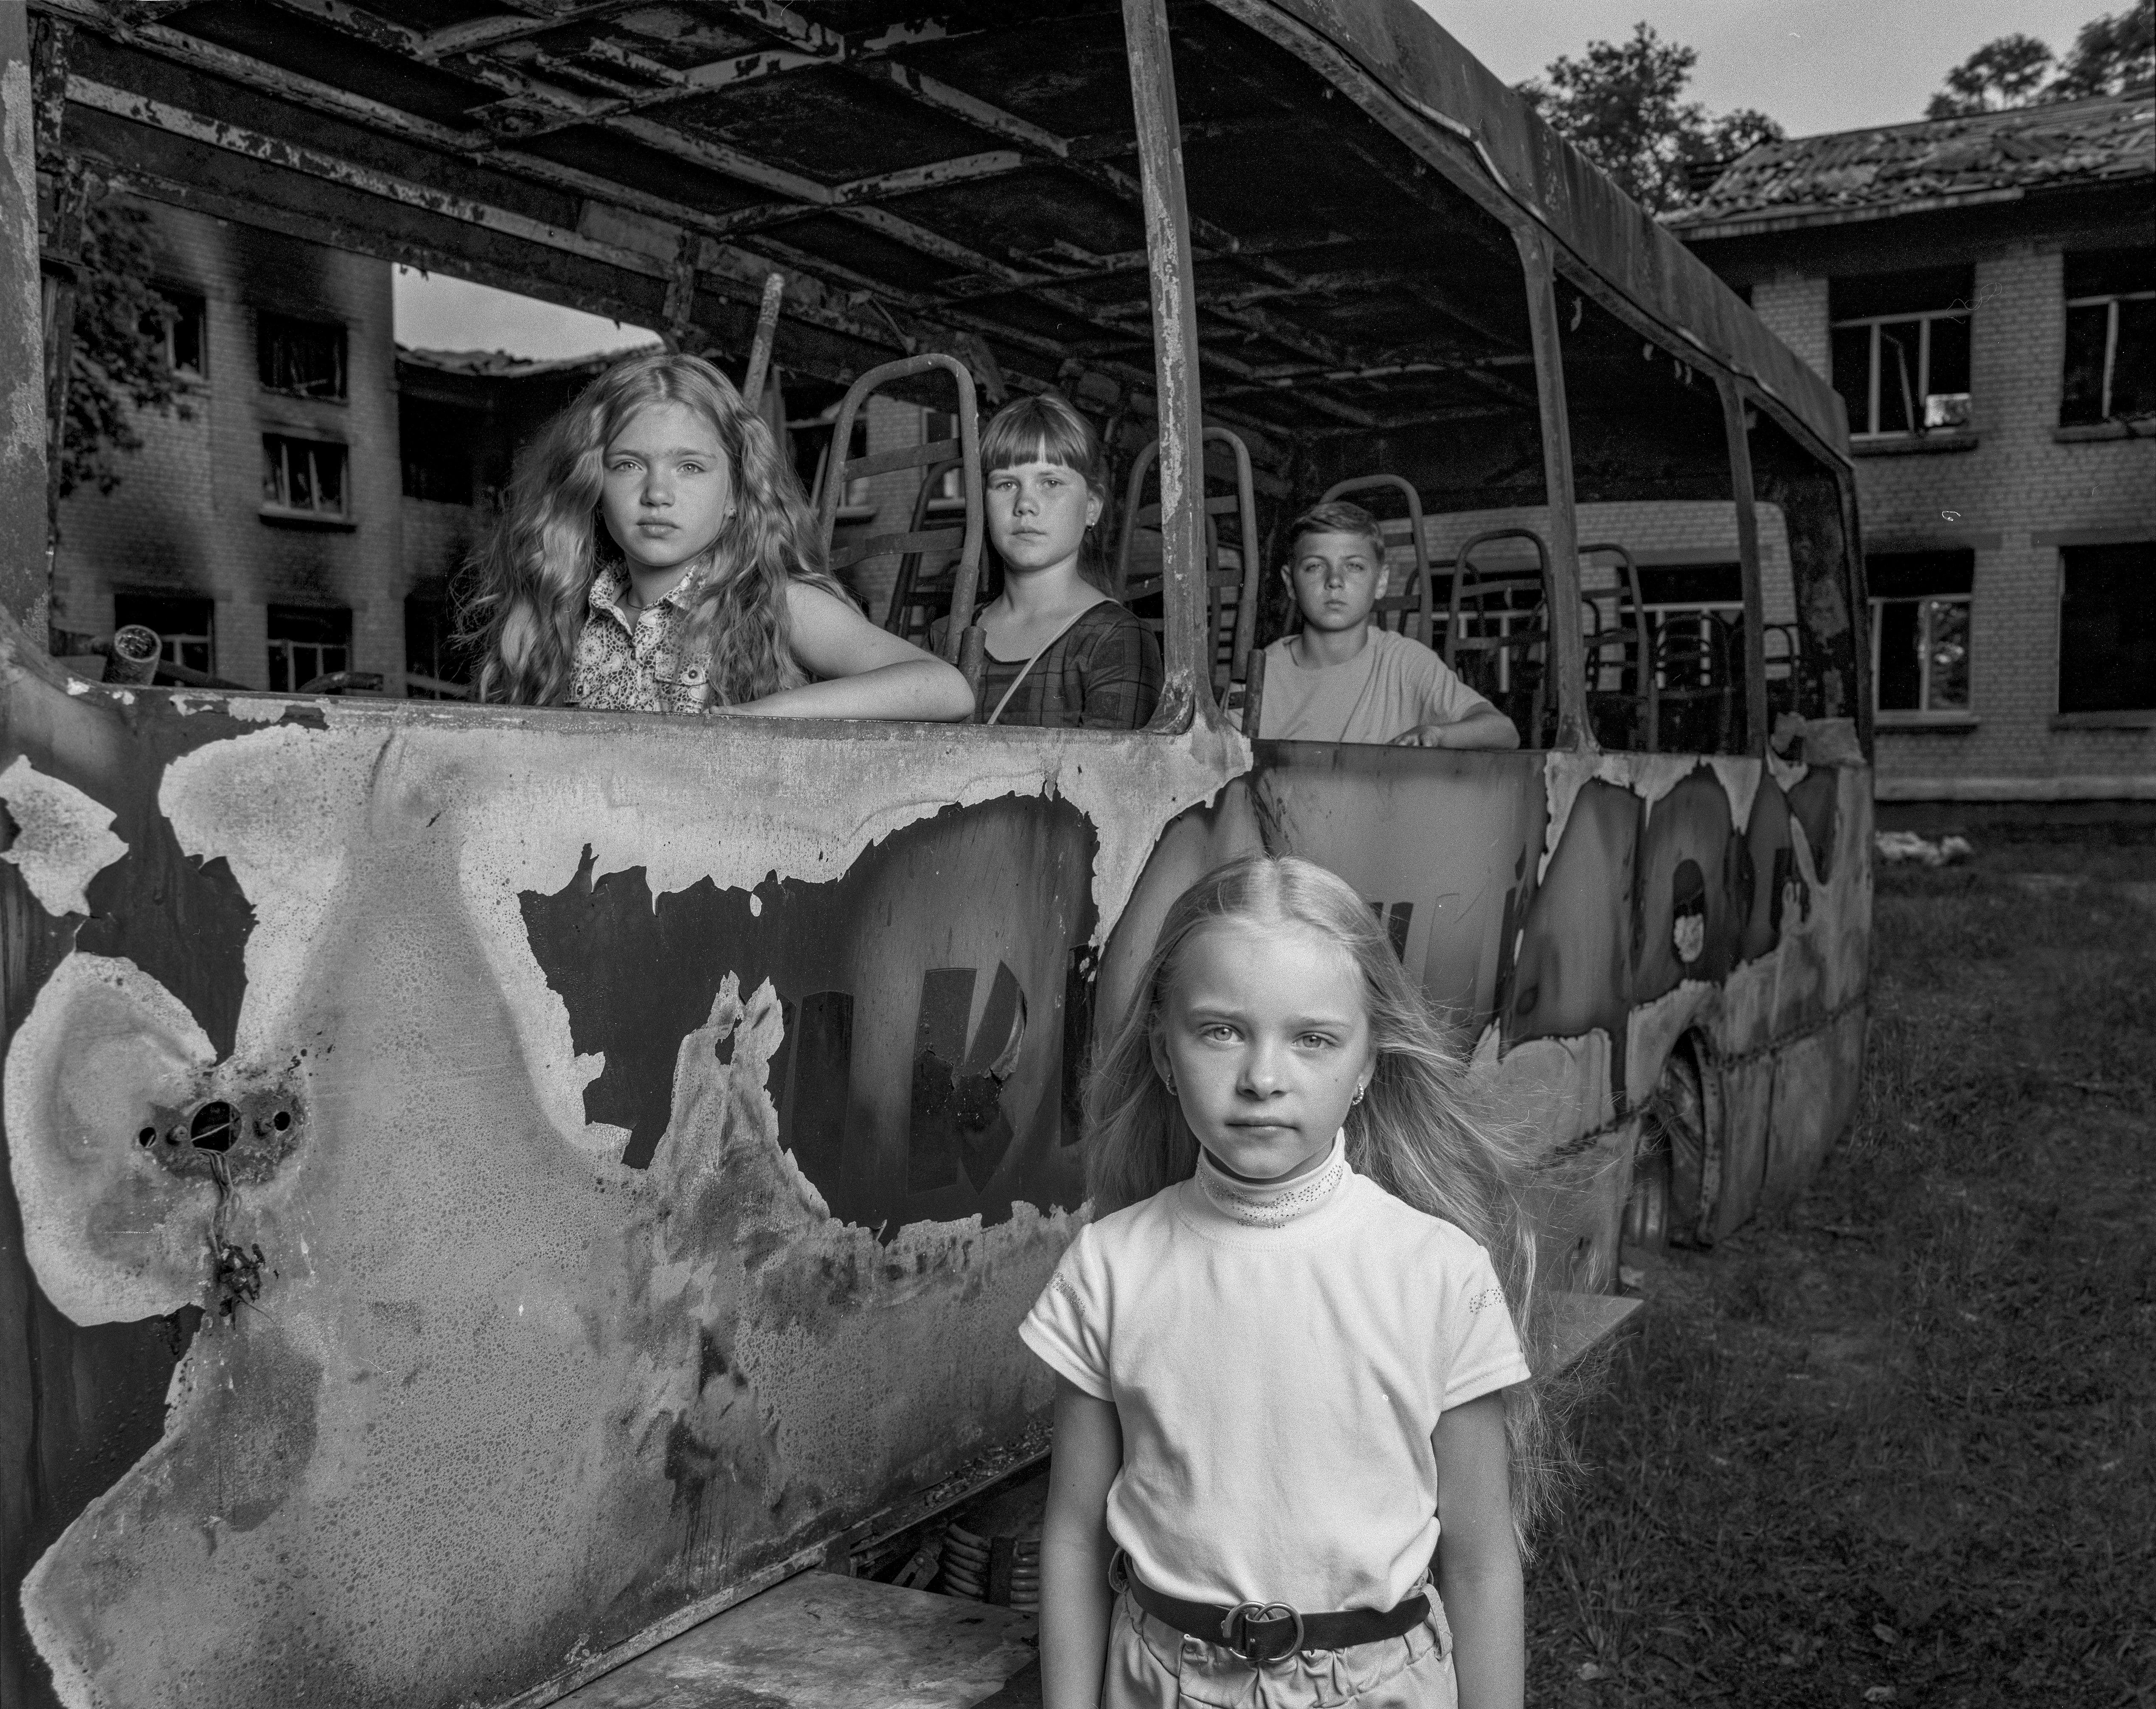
{"x": 1920, "y": 608}
{"x": 2110, "y": 337}
{"x": 2106, "y": 614}
{"x": 181, "y": 329}
{"x": 304, "y": 357}
{"x": 307, "y": 642}
{"x": 185, "y": 628}
{"x": 1901, "y": 351}
{"x": 302, "y": 477}
{"x": 438, "y": 441}
{"x": 435, "y": 667}
{"x": 950, "y": 486}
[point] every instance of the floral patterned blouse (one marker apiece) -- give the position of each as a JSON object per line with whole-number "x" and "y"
{"x": 628, "y": 660}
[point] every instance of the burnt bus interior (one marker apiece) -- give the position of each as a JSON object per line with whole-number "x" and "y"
{"x": 970, "y": 183}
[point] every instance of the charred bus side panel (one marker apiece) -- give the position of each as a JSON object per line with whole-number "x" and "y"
{"x": 620, "y": 1158}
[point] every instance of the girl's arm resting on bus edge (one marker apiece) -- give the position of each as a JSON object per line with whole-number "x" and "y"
{"x": 1478, "y": 1558}
{"x": 1486, "y": 726}
{"x": 1075, "y": 1601}
{"x": 868, "y": 672}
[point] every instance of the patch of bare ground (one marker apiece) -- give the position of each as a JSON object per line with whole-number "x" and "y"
{"x": 1897, "y": 1443}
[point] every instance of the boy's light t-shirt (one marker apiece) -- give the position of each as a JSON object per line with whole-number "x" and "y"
{"x": 1392, "y": 685}
{"x": 1277, "y": 1386}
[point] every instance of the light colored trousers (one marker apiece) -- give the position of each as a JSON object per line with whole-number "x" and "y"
{"x": 1151, "y": 1665}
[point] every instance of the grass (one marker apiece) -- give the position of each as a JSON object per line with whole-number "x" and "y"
{"x": 1893, "y": 1444}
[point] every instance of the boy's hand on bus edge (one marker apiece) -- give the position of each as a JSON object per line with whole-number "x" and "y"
{"x": 1423, "y": 735}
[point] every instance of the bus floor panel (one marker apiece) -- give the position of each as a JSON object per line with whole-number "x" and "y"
{"x": 820, "y": 1640}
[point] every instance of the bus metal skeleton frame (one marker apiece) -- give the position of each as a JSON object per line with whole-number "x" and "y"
{"x": 490, "y": 1188}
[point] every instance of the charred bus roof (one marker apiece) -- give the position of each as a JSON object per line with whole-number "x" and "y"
{"x": 966, "y": 182}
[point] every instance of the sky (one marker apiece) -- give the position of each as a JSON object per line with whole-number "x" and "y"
{"x": 1814, "y": 64}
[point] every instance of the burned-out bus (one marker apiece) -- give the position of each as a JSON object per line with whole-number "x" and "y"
{"x": 489, "y": 1187}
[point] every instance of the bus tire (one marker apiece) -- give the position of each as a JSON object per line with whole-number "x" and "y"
{"x": 1668, "y": 1202}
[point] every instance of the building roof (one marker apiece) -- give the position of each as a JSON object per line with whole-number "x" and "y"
{"x": 500, "y": 365}
{"x": 1896, "y": 169}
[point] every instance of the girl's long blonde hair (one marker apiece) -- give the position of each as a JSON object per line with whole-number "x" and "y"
{"x": 528, "y": 586}
{"x": 1421, "y": 1131}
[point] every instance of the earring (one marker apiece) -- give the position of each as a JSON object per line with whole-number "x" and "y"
{"x": 1169, "y": 1080}
{"x": 1357, "y": 1098}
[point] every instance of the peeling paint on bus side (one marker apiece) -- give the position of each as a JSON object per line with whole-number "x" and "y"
{"x": 63, "y": 839}
{"x": 1646, "y": 898}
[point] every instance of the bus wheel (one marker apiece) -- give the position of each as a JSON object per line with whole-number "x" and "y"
{"x": 1669, "y": 1166}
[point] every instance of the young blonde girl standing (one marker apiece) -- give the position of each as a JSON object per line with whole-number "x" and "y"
{"x": 656, "y": 555}
{"x": 1283, "y": 1346}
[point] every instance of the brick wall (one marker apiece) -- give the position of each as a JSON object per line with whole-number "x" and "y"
{"x": 2013, "y": 498}
{"x": 188, "y": 516}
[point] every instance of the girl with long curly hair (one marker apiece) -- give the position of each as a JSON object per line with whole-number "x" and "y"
{"x": 656, "y": 555}
{"x": 1299, "y": 1418}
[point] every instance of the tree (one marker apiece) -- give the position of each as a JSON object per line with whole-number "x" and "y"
{"x": 1621, "y": 104}
{"x": 2111, "y": 55}
{"x": 118, "y": 364}
{"x": 2004, "y": 73}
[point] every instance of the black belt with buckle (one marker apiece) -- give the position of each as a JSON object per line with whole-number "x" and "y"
{"x": 1273, "y": 1631}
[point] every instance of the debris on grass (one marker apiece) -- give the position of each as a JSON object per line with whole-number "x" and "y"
{"x": 1906, "y": 845}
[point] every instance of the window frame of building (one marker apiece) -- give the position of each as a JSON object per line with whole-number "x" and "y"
{"x": 190, "y": 647}
{"x": 190, "y": 308}
{"x": 277, "y": 337}
{"x": 330, "y": 652}
{"x": 1937, "y": 590}
{"x": 1884, "y": 302}
{"x": 430, "y": 641}
{"x": 278, "y": 486}
{"x": 424, "y": 433}
{"x": 2082, "y": 696}
{"x": 2106, "y": 283}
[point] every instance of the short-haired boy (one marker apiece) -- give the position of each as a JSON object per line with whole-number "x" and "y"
{"x": 1344, "y": 678}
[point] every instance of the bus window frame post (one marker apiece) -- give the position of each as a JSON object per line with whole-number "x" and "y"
{"x": 1747, "y": 556}
{"x": 1568, "y": 644}
{"x": 1188, "y": 688}
{"x": 23, "y": 475}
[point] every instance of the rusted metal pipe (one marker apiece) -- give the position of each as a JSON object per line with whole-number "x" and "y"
{"x": 132, "y": 655}
{"x": 1568, "y": 644}
{"x": 1747, "y": 553}
{"x": 766, "y": 333}
{"x": 1188, "y": 690}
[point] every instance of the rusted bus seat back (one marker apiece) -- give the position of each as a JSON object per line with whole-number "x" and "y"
{"x": 963, "y": 643}
{"x": 1697, "y": 656}
{"x": 1231, "y": 589}
{"x": 1787, "y": 658}
{"x": 1411, "y": 608}
{"x": 1621, "y": 680}
{"x": 916, "y": 601}
{"x": 1497, "y": 628}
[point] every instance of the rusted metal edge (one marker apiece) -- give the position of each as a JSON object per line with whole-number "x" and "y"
{"x": 580, "y": 1672}
{"x": 997, "y": 1467}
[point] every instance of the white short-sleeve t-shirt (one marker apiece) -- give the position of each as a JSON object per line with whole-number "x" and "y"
{"x": 1394, "y": 684}
{"x": 1277, "y": 1386}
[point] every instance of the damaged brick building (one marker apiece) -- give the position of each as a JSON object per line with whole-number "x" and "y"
{"x": 1982, "y": 292}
